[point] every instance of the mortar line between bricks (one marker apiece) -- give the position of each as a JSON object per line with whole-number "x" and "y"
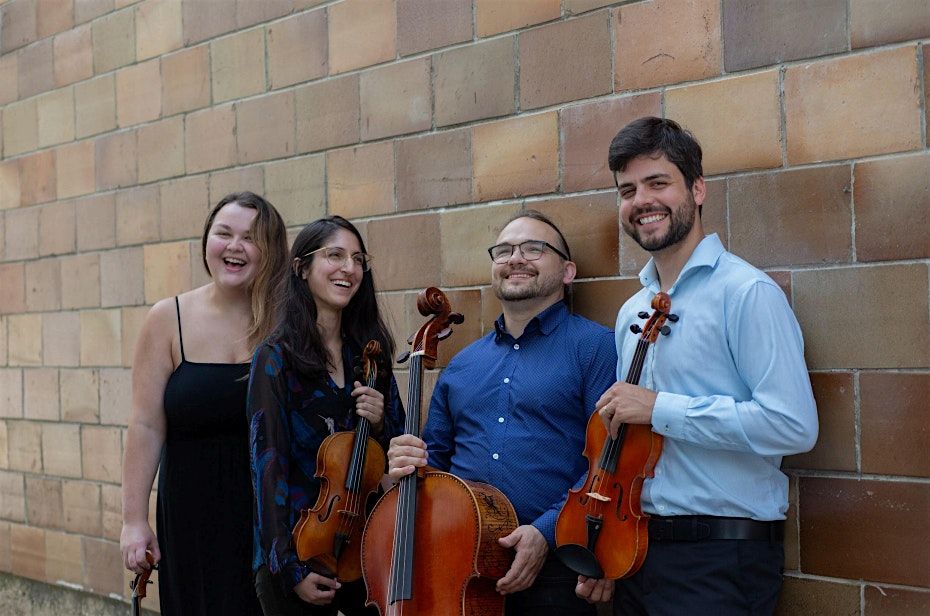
{"x": 922, "y": 91}
{"x": 858, "y": 477}
{"x": 853, "y": 253}
{"x": 857, "y": 419}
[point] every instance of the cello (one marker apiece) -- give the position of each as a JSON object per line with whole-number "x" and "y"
{"x": 328, "y": 535}
{"x": 430, "y": 545}
{"x": 602, "y": 531}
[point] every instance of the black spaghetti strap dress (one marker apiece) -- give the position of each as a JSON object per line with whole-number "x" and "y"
{"x": 204, "y": 512}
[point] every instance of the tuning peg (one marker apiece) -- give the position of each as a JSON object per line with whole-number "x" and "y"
{"x": 444, "y": 334}
{"x": 643, "y": 314}
{"x": 456, "y": 317}
{"x": 636, "y": 329}
{"x": 665, "y": 330}
{"x": 403, "y": 357}
{"x": 673, "y": 318}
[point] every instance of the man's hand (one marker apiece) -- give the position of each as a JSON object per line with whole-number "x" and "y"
{"x": 594, "y": 591}
{"x": 405, "y": 454}
{"x": 531, "y": 548}
{"x": 624, "y": 403}
{"x": 317, "y": 589}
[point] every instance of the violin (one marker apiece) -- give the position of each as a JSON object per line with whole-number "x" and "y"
{"x": 602, "y": 531}
{"x": 349, "y": 466}
{"x": 139, "y": 584}
{"x": 430, "y": 544}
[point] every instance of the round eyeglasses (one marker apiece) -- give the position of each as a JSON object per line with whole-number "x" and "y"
{"x": 337, "y": 257}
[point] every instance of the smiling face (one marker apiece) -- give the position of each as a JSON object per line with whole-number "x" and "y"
{"x": 333, "y": 285}
{"x": 657, "y": 209}
{"x": 518, "y": 279}
{"x": 231, "y": 254}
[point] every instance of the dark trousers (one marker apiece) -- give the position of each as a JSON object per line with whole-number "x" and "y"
{"x": 276, "y": 601}
{"x": 713, "y": 577}
{"x": 552, "y": 594}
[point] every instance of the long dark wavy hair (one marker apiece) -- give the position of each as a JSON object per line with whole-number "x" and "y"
{"x": 297, "y": 331}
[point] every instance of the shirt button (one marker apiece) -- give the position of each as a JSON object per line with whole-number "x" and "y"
{"x": 516, "y": 347}
{"x": 661, "y": 507}
{"x": 507, "y": 379}
{"x": 500, "y": 420}
{"x": 495, "y": 456}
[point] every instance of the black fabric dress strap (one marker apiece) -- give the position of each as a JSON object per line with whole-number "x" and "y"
{"x": 177, "y": 305}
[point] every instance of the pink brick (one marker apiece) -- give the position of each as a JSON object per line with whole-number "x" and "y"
{"x": 265, "y": 127}
{"x": 426, "y": 24}
{"x": 297, "y": 49}
{"x": 515, "y": 157}
{"x": 74, "y": 56}
{"x": 138, "y": 93}
{"x": 395, "y": 99}
{"x": 494, "y": 16}
{"x": 361, "y": 33}
{"x": 210, "y": 139}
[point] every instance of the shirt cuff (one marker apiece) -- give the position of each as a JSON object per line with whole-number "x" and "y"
{"x": 546, "y": 525}
{"x": 668, "y": 414}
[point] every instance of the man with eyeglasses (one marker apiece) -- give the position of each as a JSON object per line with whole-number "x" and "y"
{"x": 511, "y": 409}
{"x": 728, "y": 389}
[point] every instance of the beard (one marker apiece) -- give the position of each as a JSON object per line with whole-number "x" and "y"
{"x": 681, "y": 221}
{"x": 540, "y": 286}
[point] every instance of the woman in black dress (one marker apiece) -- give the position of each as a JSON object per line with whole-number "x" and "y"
{"x": 189, "y": 385}
{"x": 301, "y": 390}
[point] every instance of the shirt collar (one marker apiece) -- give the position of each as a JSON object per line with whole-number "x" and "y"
{"x": 545, "y": 322}
{"x": 705, "y": 254}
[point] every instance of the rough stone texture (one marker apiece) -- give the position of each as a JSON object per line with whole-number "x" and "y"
{"x": 297, "y": 49}
{"x": 434, "y": 170}
{"x": 327, "y": 113}
{"x": 492, "y": 16}
{"x": 265, "y": 127}
{"x": 474, "y": 82}
{"x": 361, "y": 33}
{"x": 114, "y": 40}
{"x": 395, "y": 99}
{"x": 360, "y": 181}
{"x": 515, "y": 157}
{"x": 185, "y": 79}
{"x": 237, "y": 65}
{"x": 426, "y": 24}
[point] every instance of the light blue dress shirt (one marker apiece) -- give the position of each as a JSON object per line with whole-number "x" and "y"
{"x": 734, "y": 392}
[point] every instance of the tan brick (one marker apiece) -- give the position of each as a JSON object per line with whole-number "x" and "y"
{"x": 36, "y": 73}
{"x": 132, "y": 320}
{"x": 57, "y": 228}
{"x": 872, "y": 22}
{"x": 80, "y": 281}
{"x": 40, "y": 394}
{"x": 75, "y": 169}
{"x": 493, "y": 16}
{"x": 13, "y": 490}
{"x": 18, "y": 20}
{"x": 249, "y": 13}
{"x": 73, "y": 52}
{"x": 43, "y": 285}
{"x": 888, "y": 333}
{"x": 393, "y": 272}
{"x": 587, "y": 130}
{"x": 38, "y": 177}
{"x": 665, "y": 41}
{"x": 10, "y": 194}
{"x": 3, "y": 347}
{"x": 11, "y": 395}
{"x": 199, "y": 274}
{"x": 13, "y": 282}
{"x": 158, "y": 28}
{"x": 434, "y": 170}
{"x": 43, "y": 502}
{"x": 96, "y": 222}
{"x": 210, "y": 139}
{"x": 4, "y": 457}
{"x": 361, "y": 33}
{"x": 185, "y": 80}
{"x": 61, "y": 339}
{"x": 464, "y": 236}
{"x": 297, "y": 49}
{"x": 9, "y": 78}
{"x": 424, "y": 24}
{"x": 476, "y": 81}
{"x": 81, "y": 503}
{"x": 360, "y": 180}
{"x": 836, "y": 412}
{"x": 167, "y": 270}
{"x": 85, "y": 10}
{"x": 101, "y": 451}
{"x": 55, "y": 113}
{"x": 116, "y": 163}
{"x": 853, "y": 106}
{"x": 893, "y": 408}
{"x": 737, "y": 120}
{"x": 236, "y": 180}
{"x": 121, "y": 277}
{"x": 100, "y": 338}
{"x": 22, "y": 233}
{"x": 589, "y": 224}
{"x": 53, "y": 16}
{"x": 598, "y": 299}
{"x": 395, "y": 99}
{"x": 115, "y": 396}
{"x": 79, "y": 395}
{"x": 114, "y": 39}
{"x": 20, "y": 127}
{"x": 896, "y": 190}
{"x": 296, "y": 187}
{"x": 25, "y": 439}
{"x": 806, "y": 216}
{"x": 327, "y": 113}
{"x": 27, "y": 547}
{"x": 24, "y": 333}
{"x": 137, "y": 215}
{"x": 238, "y": 65}
{"x": 103, "y": 567}
{"x": 265, "y": 127}
{"x": 61, "y": 447}
{"x": 565, "y": 61}
{"x": 185, "y": 203}
{"x": 138, "y": 93}
{"x": 813, "y": 596}
{"x": 516, "y": 157}
{"x": 111, "y": 511}
{"x": 204, "y": 19}
{"x": 64, "y": 558}
{"x": 95, "y": 104}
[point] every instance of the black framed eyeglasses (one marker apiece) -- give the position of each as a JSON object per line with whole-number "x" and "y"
{"x": 338, "y": 256}
{"x": 530, "y": 249}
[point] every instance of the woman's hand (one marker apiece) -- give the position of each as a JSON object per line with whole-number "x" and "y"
{"x": 369, "y": 403}
{"x": 134, "y": 540}
{"x": 317, "y": 589}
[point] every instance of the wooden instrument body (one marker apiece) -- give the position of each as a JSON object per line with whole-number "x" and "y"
{"x": 457, "y": 557}
{"x": 338, "y": 512}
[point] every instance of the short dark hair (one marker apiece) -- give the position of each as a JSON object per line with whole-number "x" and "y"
{"x": 539, "y": 216}
{"x": 651, "y": 136}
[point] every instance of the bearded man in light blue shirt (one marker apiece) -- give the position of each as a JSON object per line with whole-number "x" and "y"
{"x": 728, "y": 389}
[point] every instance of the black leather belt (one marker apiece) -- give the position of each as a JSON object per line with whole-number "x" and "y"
{"x": 701, "y": 527}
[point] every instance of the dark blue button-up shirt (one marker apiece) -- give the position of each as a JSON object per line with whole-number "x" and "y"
{"x": 513, "y": 412}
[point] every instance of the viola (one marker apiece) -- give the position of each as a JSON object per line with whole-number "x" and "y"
{"x": 602, "y": 531}
{"x": 430, "y": 545}
{"x": 349, "y": 466}
{"x": 140, "y": 583}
